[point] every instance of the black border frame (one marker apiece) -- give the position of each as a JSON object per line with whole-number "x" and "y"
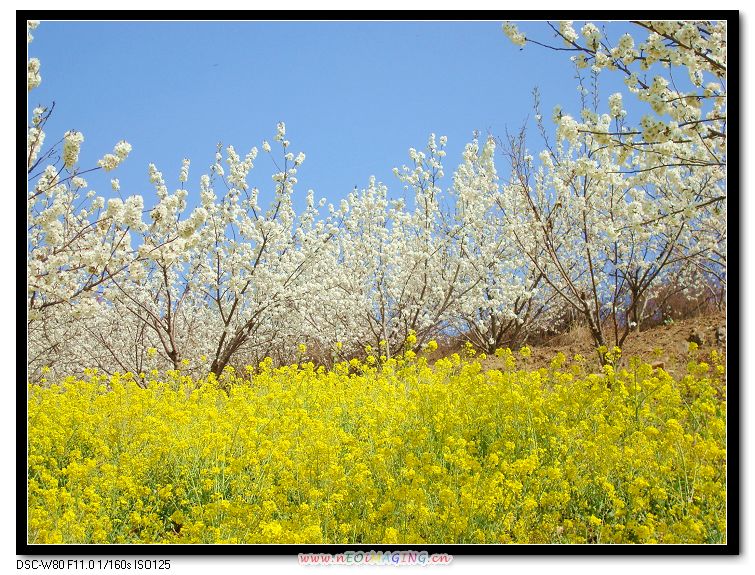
{"x": 734, "y": 407}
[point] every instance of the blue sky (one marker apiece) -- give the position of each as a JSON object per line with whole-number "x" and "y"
{"x": 354, "y": 96}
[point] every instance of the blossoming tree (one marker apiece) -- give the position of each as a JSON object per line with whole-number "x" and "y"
{"x": 610, "y": 217}
{"x": 618, "y": 209}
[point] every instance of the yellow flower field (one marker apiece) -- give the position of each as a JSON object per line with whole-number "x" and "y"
{"x": 390, "y": 451}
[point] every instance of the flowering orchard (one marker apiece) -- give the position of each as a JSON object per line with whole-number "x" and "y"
{"x": 220, "y": 367}
{"x": 609, "y": 216}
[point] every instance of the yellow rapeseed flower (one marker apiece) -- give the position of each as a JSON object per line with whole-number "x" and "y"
{"x": 397, "y": 451}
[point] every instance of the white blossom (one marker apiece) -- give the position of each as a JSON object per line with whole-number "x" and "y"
{"x": 33, "y": 77}
{"x": 514, "y": 34}
{"x": 567, "y": 31}
{"x": 122, "y": 149}
{"x": 615, "y": 104}
{"x": 108, "y": 162}
{"x": 71, "y": 146}
{"x": 30, "y": 25}
{"x": 184, "y": 175}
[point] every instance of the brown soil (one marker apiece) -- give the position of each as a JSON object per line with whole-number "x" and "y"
{"x": 667, "y": 345}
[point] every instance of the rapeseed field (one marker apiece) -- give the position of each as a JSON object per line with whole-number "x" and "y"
{"x": 382, "y": 451}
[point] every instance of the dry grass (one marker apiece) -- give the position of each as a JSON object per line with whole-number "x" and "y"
{"x": 664, "y": 344}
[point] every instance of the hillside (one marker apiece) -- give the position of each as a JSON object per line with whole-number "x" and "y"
{"x": 666, "y": 344}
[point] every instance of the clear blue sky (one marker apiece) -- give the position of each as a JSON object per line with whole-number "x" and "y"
{"x": 354, "y": 96}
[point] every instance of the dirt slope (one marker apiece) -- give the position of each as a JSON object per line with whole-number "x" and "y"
{"x": 666, "y": 344}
